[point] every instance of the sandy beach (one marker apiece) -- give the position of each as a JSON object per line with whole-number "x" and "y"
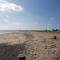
{"x": 41, "y": 44}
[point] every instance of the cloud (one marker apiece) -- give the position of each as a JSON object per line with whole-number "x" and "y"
{"x": 11, "y": 25}
{"x": 6, "y": 21}
{"x": 18, "y": 23}
{"x": 7, "y": 16}
{"x": 10, "y": 7}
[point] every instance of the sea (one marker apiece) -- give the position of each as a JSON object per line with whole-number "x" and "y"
{"x": 8, "y": 31}
{"x": 12, "y": 31}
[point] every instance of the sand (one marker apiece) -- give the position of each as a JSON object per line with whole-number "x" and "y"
{"x": 38, "y": 45}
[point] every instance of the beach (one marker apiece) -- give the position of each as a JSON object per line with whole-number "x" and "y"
{"x": 29, "y": 44}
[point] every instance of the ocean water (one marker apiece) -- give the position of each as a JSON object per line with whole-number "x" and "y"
{"x": 8, "y": 31}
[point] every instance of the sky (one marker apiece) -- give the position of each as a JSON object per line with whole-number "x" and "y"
{"x": 29, "y": 14}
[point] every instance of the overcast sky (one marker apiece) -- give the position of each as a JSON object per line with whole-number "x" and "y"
{"x": 29, "y": 14}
